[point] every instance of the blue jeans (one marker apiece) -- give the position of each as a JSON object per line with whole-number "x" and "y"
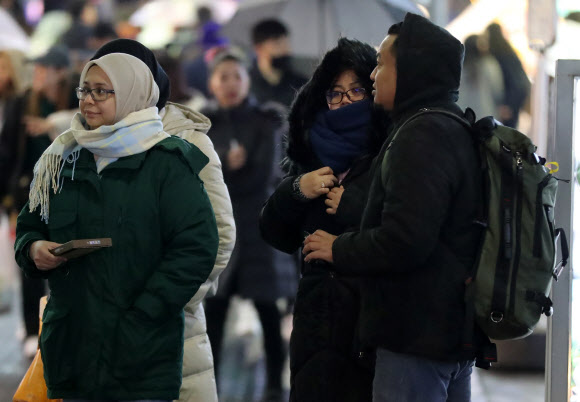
{"x": 407, "y": 378}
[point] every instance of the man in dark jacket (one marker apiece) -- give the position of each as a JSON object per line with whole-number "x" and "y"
{"x": 417, "y": 241}
{"x": 272, "y": 76}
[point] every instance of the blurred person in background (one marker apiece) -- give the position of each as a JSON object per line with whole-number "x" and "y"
{"x": 13, "y": 81}
{"x": 207, "y": 39}
{"x": 516, "y": 83}
{"x": 247, "y": 139}
{"x": 103, "y": 33}
{"x": 482, "y": 86}
{"x": 84, "y": 16}
{"x": 198, "y": 383}
{"x": 191, "y": 98}
{"x": 272, "y": 76}
{"x": 35, "y": 125}
{"x": 334, "y": 134}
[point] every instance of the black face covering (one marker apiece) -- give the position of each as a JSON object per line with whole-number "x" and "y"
{"x": 282, "y": 63}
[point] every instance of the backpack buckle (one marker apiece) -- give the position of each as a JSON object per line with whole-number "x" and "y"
{"x": 557, "y": 271}
{"x": 496, "y": 317}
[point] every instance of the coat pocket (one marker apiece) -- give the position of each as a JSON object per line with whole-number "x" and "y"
{"x": 142, "y": 345}
{"x": 55, "y": 347}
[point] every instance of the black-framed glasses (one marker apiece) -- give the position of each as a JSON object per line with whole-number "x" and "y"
{"x": 98, "y": 94}
{"x": 354, "y": 94}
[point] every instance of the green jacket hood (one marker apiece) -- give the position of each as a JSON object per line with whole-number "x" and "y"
{"x": 178, "y": 118}
{"x": 429, "y": 62}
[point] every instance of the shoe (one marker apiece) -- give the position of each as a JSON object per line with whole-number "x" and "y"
{"x": 30, "y": 346}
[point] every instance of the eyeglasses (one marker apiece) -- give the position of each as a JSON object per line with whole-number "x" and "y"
{"x": 354, "y": 95}
{"x": 98, "y": 94}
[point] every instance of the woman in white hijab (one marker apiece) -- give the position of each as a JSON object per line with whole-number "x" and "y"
{"x": 113, "y": 326}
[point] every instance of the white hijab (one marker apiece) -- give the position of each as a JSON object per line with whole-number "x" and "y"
{"x": 136, "y": 129}
{"x": 135, "y": 87}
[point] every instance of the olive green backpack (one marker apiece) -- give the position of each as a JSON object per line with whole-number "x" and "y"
{"x": 510, "y": 283}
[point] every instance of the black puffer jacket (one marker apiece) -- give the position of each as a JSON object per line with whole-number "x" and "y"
{"x": 327, "y": 362}
{"x": 256, "y": 270}
{"x": 417, "y": 241}
{"x": 327, "y": 304}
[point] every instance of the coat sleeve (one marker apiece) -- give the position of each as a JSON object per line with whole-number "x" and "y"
{"x": 190, "y": 237}
{"x": 417, "y": 196}
{"x": 281, "y": 218}
{"x": 219, "y": 197}
{"x": 29, "y": 228}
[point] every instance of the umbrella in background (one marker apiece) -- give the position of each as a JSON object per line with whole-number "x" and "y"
{"x": 315, "y": 25}
{"x": 11, "y": 35}
{"x": 159, "y": 19}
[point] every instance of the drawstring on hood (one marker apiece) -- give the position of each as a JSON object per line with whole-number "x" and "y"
{"x": 429, "y": 62}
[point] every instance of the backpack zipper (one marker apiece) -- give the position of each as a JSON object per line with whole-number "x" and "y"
{"x": 518, "y": 242}
{"x": 537, "y": 250}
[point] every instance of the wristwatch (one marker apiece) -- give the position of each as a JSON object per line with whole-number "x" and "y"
{"x": 297, "y": 194}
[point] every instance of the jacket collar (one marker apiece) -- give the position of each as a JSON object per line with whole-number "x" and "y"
{"x": 86, "y": 163}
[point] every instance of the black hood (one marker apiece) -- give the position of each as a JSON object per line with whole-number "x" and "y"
{"x": 429, "y": 61}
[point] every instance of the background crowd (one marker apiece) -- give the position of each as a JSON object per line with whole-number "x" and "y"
{"x": 247, "y": 94}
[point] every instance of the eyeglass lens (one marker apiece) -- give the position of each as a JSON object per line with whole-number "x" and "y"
{"x": 355, "y": 94}
{"x": 98, "y": 94}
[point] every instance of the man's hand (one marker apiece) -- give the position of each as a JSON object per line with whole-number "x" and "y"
{"x": 318, "y": 182}
{"x": 42, "y": 257}
{"x": 237, "y": 157}
{"x": 318, "y": 246}
{"x": 333, "y": 199}
{"x": 36, "y": 126}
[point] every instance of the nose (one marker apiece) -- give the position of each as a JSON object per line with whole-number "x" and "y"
{"x": 345, "y": 100}
{"x": 373, "y": 74}
{"x": 89, "y": 99}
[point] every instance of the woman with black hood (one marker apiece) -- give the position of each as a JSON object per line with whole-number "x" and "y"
{"x": 334, "y": 134}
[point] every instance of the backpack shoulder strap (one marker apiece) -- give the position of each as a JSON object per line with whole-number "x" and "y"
{"x": 467, "y": 122}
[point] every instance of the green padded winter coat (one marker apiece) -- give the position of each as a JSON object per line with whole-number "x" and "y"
{"x": 113, "y": 325}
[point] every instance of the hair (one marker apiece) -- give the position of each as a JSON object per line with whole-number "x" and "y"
{"x": 268, "y": 29}
{"x": 11, "y": 90}
{"x": 472, "y": 52}
{"x": 103, "y": 30}
{"x": 349, "y": 54}
{"x": 498, "y": 44}
{"x": 226, "y": 54}
{"x": 395, "y": 29}
{"x": 179, "y": 93}
{"x": 204, "y": 14}
{"x": 63, "y": 101}
{"x": 75, "y": 8}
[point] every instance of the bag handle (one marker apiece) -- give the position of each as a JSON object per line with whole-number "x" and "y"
{"x": 565, "y": 253}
